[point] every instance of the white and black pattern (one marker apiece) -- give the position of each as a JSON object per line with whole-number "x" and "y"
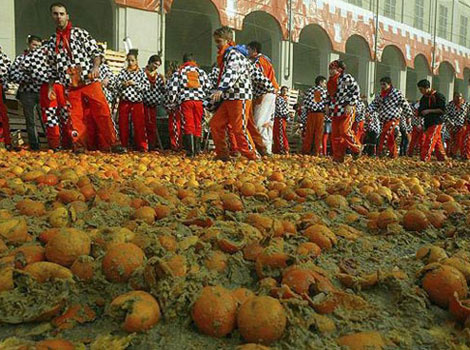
{"x": 84, "y": 50}
{"x": 347, "y": 94}
{"x": 134, "y": 93}
{"x": 4, "y": 67}
{"x": 52, "y": 117}
{"x": 214, "y": 77}
{"x": 19, "y": 75}
{"x": 156, "y": 92}
{"x": 360, "y": 111}
{"x": 392, "y": 106}
{"x": 261, "y": 84}
{"x": 179, "y": 89}
{"x": 416, "y": 120}
{"x": 303, "y": 115}
{"x": 282, "y": 108}
{"x": 372, "y": 123}
{"x": 456, "y": 117}
{"x": 405, "y": 124}
{"x": 106, "y": 73}
{"x": 37, "y": 66}
{"x": 315, "y": 99}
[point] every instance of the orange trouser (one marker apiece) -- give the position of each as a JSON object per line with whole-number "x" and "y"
{"x": 388, "y": 136}
{"x": 313, "y": 133}
{"x": 236, "y": 114}
{"x": 5, "y": 135}
{"x": 100, "y": 112}
{"x": 136, "y": 111}
{"x": 359, "y": 130}
{"x": 192, "y": 113}
{"x": 466, "y": 143}
{"x": 174, "y": 128}
{"x": 417, "y": 140}
{"x": 280, "y": 141}
{"x": 433, "y": 142}
{"x": 456, "y": 142}
{"x": 151, "y": 125}
{"x": 342, "y": 136}
{"x": 326, "y": 136}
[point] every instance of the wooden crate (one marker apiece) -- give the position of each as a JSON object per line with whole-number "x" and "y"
{"x": 115, "y": 60}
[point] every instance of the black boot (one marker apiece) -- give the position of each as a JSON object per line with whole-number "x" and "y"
{"x": 197, "y": 145}
{"x": 188, "y": 144}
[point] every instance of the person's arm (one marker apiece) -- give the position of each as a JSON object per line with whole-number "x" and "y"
{"x": 259, "y": 79}
{"x": 352, "y": 93}
{"x": 407, "y": 111}
{"x": 173, "y": 89}
{"x": 91, "y": 48}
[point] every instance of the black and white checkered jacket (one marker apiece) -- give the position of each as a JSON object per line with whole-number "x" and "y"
{"x": 348, "y": 93}
{"x": 37, "y": 66}
{"x": 417, "y": 121}
{"x": 4, "y": 67}
{"x": 282, "y": 108}
{"x": 179, "y": 89}
{"x": 84, "y": 50}
{"x": 315, "y": 99}
{"x": 372, "y": 123}
{"x": 19, "y": 76}
{"x": 106, "y": 73}
{"x": 214, "y": 77}
{"x": 136, "y": 92}
{"x": 238, "y": 77}
{"x": 156, "y": 92}
{"x": 456, "y": 117}
{"x": 406, "y": 124}
{"x": 392, "y": 106}
{"x": 360, "y": 111}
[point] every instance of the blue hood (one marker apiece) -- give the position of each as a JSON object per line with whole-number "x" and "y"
{"x": 240, "y": 48}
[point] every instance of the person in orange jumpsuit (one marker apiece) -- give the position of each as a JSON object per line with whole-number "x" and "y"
{"x": 342, "y": 97}
{"x": 315, "y": 100}
{"x": 235, "y": 93}
{"x": 432, "y": 108}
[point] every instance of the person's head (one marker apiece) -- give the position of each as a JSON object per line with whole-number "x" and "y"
{"x": 320, "y": 81}
{"x": 424, "y": 86}
{"x": 154, "y": 62}
{"x": 188, "y": 57}
{"x": 59, "y": 14}
{"x": 254, "y": 48}
{"x": 284, "y": 91}
{"x": 223, "y": 36}
{"x": 458, "y": 97}
{"x": 34, "y": 42}
{"x": 385, "y": 83}
{"x": 132, "y": 58}
{"x": 336, "y": 67}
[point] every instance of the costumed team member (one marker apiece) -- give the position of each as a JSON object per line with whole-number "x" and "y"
{"x": 432, "y": 108}
{"x": 28, "y": 91}
{"x": 187, "y": 88}
{"x": 315, "y": 103}
{"x": 235, "y": 91}
{"x": 281, "y": 116}
{"x": 457, "y": 113}
{"x": 372, "y": 127}
{"x": 5, "y": 137}
{"x": 391, "y": 106}
{"x": 131, "y": 84}
{"x": 75, "y": 58}
{"x": 343, "y": 94}
{"x": 417, "y": 133}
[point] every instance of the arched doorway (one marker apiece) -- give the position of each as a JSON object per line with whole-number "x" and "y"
{"x": 311, "y": 56}
{"x": 444, "y": 81}
{"x": 420, "y": 71}
{"x": 33, "y": 17}
{"x": 189, "y": 28}
{"x": 392, "y": 65}
{"x": 358, "y": 61}
{"x": 262, "y": 27}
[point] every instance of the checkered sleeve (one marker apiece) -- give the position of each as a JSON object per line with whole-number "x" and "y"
{"x": 89, "y": 43}
{"x": 282, "y": 108}
{"x": 374, "y": 105}
{"x": 16, "y": 74}
{"x": 161, "y": 86}
{"x": 214, "y": 77}
{"x": 407, "y": 112}
{"x": 207, "y": 84}
{"x": 173, "y": 89}
{"x": 53, "y": 72}
{"x": 303, "y": 115}
{"x": 5, "y": 64}
{"x": 261, "y": 83}
{"x": 142, "y": 83}
{"x": 351, "y": 93}
{"x": 232, "y": 68}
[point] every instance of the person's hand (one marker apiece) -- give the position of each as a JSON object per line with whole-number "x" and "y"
{"x": 216, "y": 96}
{"x": 105, "y": 82}
{"x": 95, "y": 73}
{"x": 349, "y": 109}
{"x": 51, "y": 94}
{"x": 267, "y": 125}
{"x": 130, "y": 83}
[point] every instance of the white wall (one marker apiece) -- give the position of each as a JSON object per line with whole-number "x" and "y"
{"x": 7, "y": 27}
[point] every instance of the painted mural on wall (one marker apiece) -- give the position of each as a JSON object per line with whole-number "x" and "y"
{"x": 340, "y": 21}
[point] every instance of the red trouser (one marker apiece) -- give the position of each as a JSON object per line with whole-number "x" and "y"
{"x": 388, "y": 136}
{"x": 136, "y": 111}
{"x": 91, "y": 128}
{"x": 151, "y": 125}
{"x": 359, "y": 130}
{"x": 280, "y": 141}
{"x": 174, "y": 128}
{"x": 325, "y": 144}
{"x": 466, "y": 143}
{"x": 99, "y": 111}
{"x": 456, "y": 142}
{"x": 232, "y": 141}
{"x": 313, "y": 133}
{"x": 417, "y": 140}
{"x": 433, "y": 142}
{"x": 5, "y": 135}
{"x": 55, "y": 116}
{"x": 192, "y": 112}
{"x": 342, "y": 136}
{"x": 236, "y": 114}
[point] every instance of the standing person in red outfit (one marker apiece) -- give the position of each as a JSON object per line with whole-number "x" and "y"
{"x": 457, "y": 113}
{"x": 152, "y": 98}
{"x": 431, "y": 107}
{"x": 132, "y": 84}
{"x": 5, "y": 137}
{"x": 281, "y": 115}
{"x": 187, "y": 88}
{"x": 343, "y": 94}
{"x": 315, "y": 103}
{"x": 74, "y": 58}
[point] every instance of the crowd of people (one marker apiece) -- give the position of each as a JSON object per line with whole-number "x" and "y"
{"x": 67, "y": 76}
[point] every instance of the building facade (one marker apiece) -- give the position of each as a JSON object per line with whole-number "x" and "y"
{"x": 301, "y": 36}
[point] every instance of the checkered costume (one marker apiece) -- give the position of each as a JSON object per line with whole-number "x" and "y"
{"x": 154, "y": 95}
{"x": 84, "y": 49}
{"x": 136, "y": 92}
{"x": 303, "y": 115}
{"x": 406, "y": 124}
{"x": 373, "y": 123}
{"x": 416, "y": 119}
{"x": 282, "y": 108}
{"x": 392, "y": 106}
{"x": 456, "y": 117}
{"x": 348, "y": 93}
{"x": 238, "y": 77}
{"x": 4, "y": 67}
{"x": 214, "y": 77}
{"x": 106, "y": 73}
{"x": 18, "y": 75}
{"x": 360, "y": 111}
{"x": 36, "y": 65}
{"x": 178, "y": 85}
{"x": 310, "y": 101}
